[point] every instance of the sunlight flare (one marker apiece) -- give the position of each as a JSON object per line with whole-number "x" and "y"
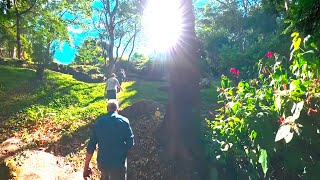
{"x": 163, "y": 24}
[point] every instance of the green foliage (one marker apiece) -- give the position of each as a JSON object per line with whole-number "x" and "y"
{"x": 39, "y": 20}
{"x": 245, "y": 132}
{"x": 41, "y": 56}
{"x": 89, "y": 53}
{"x": 302, "y": 17}
{"x": 231, "y": 37}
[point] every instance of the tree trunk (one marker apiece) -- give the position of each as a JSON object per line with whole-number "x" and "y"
{"x": 111, "y": 64}
{"x": 39, "y": 71}
{"x": 18, "y": 35}
{"x": 183, "y": 124}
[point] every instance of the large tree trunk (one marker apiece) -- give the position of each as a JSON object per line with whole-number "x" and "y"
{"x": 183, "y": 124}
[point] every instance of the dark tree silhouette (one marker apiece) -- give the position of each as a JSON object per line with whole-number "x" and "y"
{"x": 183, "y": 125}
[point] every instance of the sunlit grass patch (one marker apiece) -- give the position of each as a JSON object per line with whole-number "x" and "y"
{"x": 138, "y": 90}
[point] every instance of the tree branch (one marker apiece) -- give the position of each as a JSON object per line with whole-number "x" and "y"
{"x": 117, "y": 49}
{"x": 133, "y": 44}
{"x": 106, "y": 12}
{"x": 114, "y": 11}
{"x": 121, "y": 21}
{"x": 132, "y": 37}
{"x": 27, "y": 10}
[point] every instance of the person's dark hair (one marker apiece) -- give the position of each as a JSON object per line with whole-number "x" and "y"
{"x": 113, "y": 105}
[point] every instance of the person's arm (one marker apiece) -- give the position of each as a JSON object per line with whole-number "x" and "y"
{"x": 87, "y": 165}
{"x": 105, "y": 90}
{"x": 118, "y": 84}
{"x": 91, "y": 147}
{"x": 120, "y": 87}
{"x": 129, "y": 137}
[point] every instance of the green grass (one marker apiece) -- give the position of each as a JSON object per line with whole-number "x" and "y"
{"x": 137, "y": 90}
{"x": 59, "y": 101}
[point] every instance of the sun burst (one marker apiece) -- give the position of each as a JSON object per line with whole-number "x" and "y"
{"x": 163, "y": 24}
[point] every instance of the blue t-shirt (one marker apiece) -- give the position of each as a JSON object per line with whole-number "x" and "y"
{"x": 113, "y": 134}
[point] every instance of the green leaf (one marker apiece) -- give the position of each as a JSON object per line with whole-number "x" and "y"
{"x": 235, "y": 107}
{"x": 263, "y": 160}
{"x": 223, "y": 84}
{"x": 253, "y": 135}
{"x": 314, "y": 46}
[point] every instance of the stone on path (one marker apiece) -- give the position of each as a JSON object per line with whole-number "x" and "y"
{"x": 9, "y": 146}
{"x": 43, "y": 165}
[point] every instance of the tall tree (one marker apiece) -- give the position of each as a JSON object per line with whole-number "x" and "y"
{"x": 19, "y": 9}
{"x": 88, "y": 52}
{"x": 117, "y": 23}
{"x": 49, "y": 24}
{"x": 183, "y": 124}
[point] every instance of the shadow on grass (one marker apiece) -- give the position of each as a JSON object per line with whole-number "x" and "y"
{"x": 29, "y": 91}
{"x": 99, "y": 98}
{"x": 73, "y": 142}
{"x": 19, "y": 90}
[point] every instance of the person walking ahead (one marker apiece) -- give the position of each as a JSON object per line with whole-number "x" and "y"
{"x": 112, "y": 87}
{"x": 114, "y": 136}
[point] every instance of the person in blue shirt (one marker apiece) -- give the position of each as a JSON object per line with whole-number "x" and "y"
{"x": 113, "y": 134}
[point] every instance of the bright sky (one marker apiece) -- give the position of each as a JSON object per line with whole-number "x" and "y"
{"x": 66, "y": 53}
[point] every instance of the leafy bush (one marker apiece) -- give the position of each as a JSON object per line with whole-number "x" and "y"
{"x": 259, "y": 117}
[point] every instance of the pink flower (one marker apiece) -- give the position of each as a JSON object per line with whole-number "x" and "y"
{"x": 281, "y": 120}
{"x": 238, "y": 72}
{"x": 233, "y": 70}
{"x": 269, "y": 54}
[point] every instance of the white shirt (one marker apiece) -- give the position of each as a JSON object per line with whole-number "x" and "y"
{"x": 112, "y": 83}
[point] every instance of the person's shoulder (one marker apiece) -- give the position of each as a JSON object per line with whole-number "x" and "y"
{"x": 122, "y": 118}
{"x": 101, "y": 118}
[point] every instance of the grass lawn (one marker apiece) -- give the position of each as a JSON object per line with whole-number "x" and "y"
{"x": 60, "y": 110}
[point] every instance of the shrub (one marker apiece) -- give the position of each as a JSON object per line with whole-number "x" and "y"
{"x": 259, "y": 117}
